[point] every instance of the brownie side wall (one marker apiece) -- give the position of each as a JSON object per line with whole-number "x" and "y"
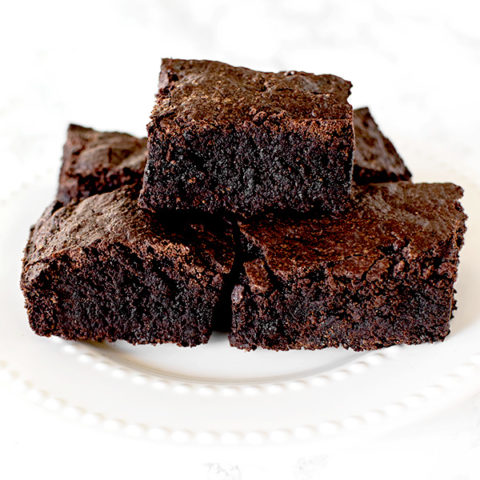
{"x": 395, "y": 302}
{"x": 314, "y": 319}
{"x": 249, "y": 171}
{"x": 112, "y": 294}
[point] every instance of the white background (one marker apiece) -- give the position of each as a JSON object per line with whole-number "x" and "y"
{"x": 416, "y": 64}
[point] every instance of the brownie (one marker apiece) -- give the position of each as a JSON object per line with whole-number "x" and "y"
{"x": 232, "y": 140}
{"x": 381, "y": 273}
{"x": 375, "y": 158}
{"x": 98, "y": 162}
{"x": 102, "y": 269}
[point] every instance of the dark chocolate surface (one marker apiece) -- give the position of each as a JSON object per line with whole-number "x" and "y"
{"x": 393, "y": 214}
{"x": 214, "y": 93}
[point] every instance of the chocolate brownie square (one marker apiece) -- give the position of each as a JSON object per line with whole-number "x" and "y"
{"x": 375, "y": 159}
{"x": 381, "y": 273}
{"x": 102, "y": 269}
{"x": 98, "y": 162}
{"x": 226, "y": 139}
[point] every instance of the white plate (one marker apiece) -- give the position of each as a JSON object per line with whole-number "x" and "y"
{"x": 217, "y": 394}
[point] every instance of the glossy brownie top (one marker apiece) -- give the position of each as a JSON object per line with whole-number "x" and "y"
{"x": 411, "y": 220}
{"x": 209, "y": 93}
{"x": 113, "y": 220}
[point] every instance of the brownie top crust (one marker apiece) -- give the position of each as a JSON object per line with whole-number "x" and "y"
{"x": 113, "y": 219}
{"x": 375, "y": 158}
{"x": 96, "y": 162}
{"x": 209, "y": 93}
{"x": 411, "y": 219}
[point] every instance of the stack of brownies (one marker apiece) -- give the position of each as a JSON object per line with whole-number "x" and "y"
{"x": 260, "y": 205}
